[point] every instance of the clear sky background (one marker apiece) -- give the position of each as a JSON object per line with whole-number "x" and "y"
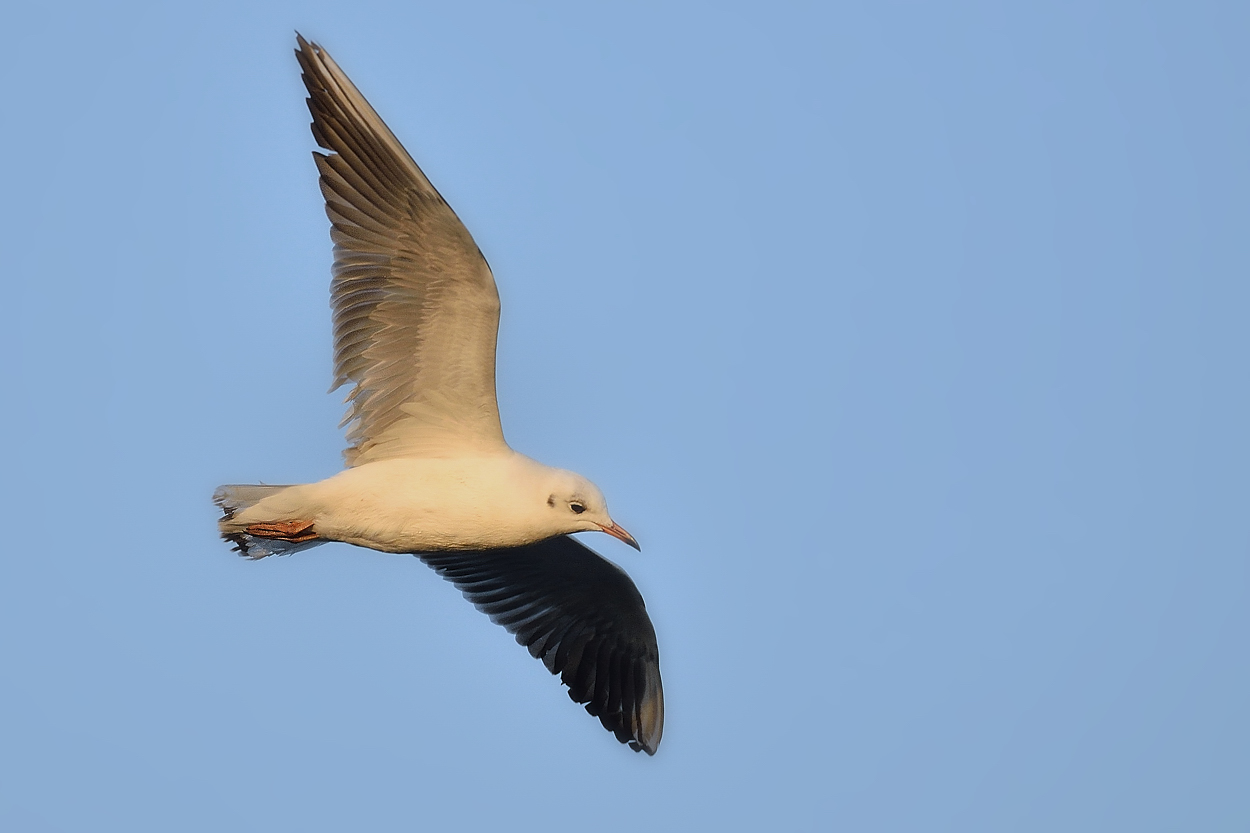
{"x": 910, "y": 339}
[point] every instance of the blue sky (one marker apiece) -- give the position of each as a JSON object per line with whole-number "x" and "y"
{"x": 909, "y": 339}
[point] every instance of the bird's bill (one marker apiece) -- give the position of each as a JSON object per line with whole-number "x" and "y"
{"x": 616, "y": 532}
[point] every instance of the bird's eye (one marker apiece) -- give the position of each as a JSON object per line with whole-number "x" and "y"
{"x": 577, "y": 508}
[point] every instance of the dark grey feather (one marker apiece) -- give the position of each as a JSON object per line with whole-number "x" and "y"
{"x": 582, "y": 616}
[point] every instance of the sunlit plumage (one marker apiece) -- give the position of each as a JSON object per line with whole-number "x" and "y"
{"x": 416, "y": 316}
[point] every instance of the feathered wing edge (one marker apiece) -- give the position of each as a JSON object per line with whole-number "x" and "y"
{"x": 583, "y": 617}
{"x": 416, "y": 311}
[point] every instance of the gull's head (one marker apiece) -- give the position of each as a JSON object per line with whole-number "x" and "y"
{"x": 574, "y": 504}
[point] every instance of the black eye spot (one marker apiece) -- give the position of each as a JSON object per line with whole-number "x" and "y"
{"x": 551, "y": 501}
{"x": 577, "y": 508}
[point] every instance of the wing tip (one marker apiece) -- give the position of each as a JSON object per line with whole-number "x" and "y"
{"x": 648, "y": 716}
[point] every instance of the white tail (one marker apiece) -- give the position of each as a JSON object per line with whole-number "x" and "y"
{"x": 235, "y": 499}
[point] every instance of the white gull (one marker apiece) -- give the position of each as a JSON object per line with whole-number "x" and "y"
{"x": 416, "y": 315}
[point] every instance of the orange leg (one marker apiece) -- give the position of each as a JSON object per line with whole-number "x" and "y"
{"x": 294, "y": 531}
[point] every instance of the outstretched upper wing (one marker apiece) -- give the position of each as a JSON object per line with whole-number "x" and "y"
{"x": 416, "y": 312}
{"x": 582, "y": 616}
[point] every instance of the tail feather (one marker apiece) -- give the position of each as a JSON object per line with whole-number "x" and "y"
{"x": 256, "y": 548}
{"x": 235, "y": 499}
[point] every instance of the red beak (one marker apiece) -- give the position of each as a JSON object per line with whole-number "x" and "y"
{"x": 616, "y": 532}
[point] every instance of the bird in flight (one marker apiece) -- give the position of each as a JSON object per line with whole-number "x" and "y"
{"x": 416, "y": 316}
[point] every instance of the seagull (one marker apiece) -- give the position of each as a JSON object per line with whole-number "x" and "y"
{"x": 428, "y": 472}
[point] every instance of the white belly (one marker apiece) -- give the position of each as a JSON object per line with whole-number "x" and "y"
{"x": 426, "y": 505}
